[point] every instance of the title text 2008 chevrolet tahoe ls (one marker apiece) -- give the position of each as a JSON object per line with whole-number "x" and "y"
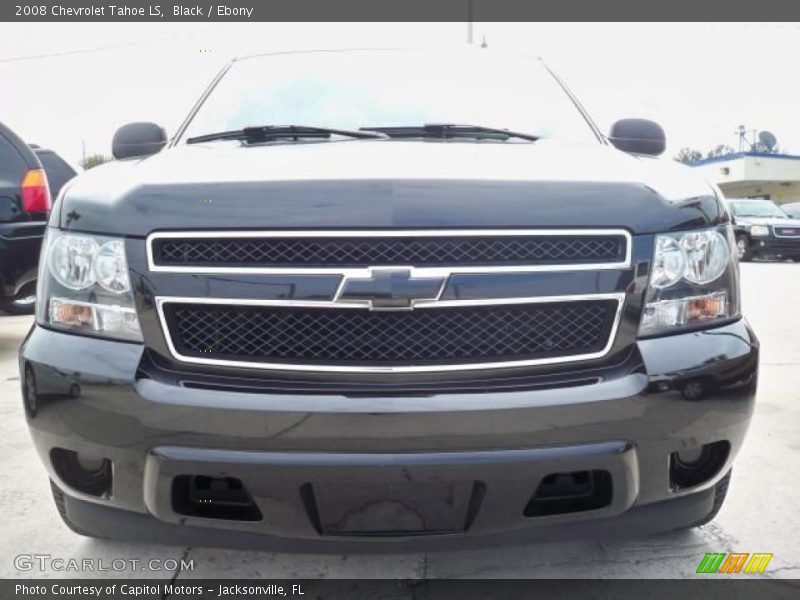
{"x": 388, "y": 300}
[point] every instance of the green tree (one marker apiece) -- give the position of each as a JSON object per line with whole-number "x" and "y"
{"x": 94, "y": 160}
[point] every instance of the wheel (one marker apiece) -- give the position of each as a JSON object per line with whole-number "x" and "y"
{"x": 720, "y": 492}
{"x": 58, "y": 498}
{"x": 743, "y": 248}
{"x": 24, "y": 303}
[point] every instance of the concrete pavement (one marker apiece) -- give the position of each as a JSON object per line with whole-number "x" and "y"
{"x": 761, "y": 514}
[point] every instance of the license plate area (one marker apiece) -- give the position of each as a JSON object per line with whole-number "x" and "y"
{"x": 391, "y": 508}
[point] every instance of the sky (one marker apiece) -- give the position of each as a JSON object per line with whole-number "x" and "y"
{"x": 69, "y": 86}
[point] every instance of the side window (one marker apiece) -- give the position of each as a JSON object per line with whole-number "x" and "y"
{"x": 12, "y": 169}
{"x": 58, "y": 172}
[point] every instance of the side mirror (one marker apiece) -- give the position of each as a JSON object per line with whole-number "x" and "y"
{"x": 138, "y": 139}
{"x": 638, "y": 136}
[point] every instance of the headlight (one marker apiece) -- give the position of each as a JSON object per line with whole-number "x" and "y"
{"x": 759, "y": 230}
{"x": 111, "y": 267}
{"x": 707, "y": 255}
{"x": 693, "y": 282}
{"x": 70, "y": 261}
{"x": 669, "y": 262}
{"x": 84, "y": 286}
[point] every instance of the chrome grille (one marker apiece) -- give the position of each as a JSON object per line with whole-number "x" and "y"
{"x": 363, "y": 249}
{"x": 787, "y": 231}
{"x": 357, "y": 338}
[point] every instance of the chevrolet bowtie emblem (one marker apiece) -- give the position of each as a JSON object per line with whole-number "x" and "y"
{"x": 389, "y": 289}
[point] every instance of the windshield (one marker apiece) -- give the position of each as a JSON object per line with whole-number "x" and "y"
{"x": 757, "y": 208}
{"x": 386, "y": 88}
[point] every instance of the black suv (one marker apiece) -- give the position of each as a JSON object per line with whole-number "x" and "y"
{"x": 764, "y": 230}
{"x": 384, "y": 300}
{"x": 24, "y": 207}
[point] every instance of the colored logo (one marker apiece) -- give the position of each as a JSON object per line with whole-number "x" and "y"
{"x": 734, "y": 562}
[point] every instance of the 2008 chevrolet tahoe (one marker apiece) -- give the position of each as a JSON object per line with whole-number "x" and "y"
{"x": 388, "y": 300}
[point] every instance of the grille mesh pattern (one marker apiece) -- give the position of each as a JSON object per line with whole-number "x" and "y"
{"x": 365, "y": 251}
{"x": 361, "y": 337}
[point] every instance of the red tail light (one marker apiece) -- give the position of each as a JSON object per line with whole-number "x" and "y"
{"x": 35, "y": 192}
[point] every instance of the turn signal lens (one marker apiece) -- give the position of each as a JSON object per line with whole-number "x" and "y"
{"x": 706, "y": 307}
{"x": 683, "y": 312}
{"x": 74, "y": 315}
{"x": 116, "y": 321}
{"x": 35, "y": 192}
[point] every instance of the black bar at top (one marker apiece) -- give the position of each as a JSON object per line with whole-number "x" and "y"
{"x": 397, "y": 10}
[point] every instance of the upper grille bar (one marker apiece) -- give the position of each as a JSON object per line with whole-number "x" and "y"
{"x": 434, "y": 251}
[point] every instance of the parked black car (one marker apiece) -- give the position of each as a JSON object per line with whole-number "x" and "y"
{"x": 437, "y": 309}
{"x": 764, "y": 230}
{"x": 24, "y": 207}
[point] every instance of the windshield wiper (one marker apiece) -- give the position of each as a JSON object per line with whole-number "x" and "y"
{"x": 451, "y": 130}
{"x": 265, "y": 133}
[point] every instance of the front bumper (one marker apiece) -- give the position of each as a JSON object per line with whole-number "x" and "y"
{"x": 772, "y": 246}
{"x": 325, "y": 469}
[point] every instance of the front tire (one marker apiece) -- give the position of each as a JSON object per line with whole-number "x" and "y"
{"x": 24, "y": 303}
{"x": 743, "y": 248}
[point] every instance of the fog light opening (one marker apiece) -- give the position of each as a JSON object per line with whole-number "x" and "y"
{"x": 213, "y": 498}
{"x": 694, "y": 466}
{"x": 83, "y": 472}
{"x": 689, "y": 458}
{"x": 577, "y": 491}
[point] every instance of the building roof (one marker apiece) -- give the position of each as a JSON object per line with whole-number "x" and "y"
{"x": 735, "y": 155}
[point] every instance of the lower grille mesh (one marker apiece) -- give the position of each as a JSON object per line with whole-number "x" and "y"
{"x": 334, "y": 336}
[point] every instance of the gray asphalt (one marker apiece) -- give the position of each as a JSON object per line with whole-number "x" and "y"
{"x": 761, "y": 514}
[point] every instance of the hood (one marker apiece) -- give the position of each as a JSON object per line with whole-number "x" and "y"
{"x": 387, "y": 183}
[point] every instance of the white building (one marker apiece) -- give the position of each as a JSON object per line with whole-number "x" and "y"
{"x": 773, "y": 177}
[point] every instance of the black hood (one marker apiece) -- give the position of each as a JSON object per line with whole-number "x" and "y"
{"x": 388, "y": 184}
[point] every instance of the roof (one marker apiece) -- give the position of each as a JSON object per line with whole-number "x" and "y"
{"x": 736, "y": 155}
